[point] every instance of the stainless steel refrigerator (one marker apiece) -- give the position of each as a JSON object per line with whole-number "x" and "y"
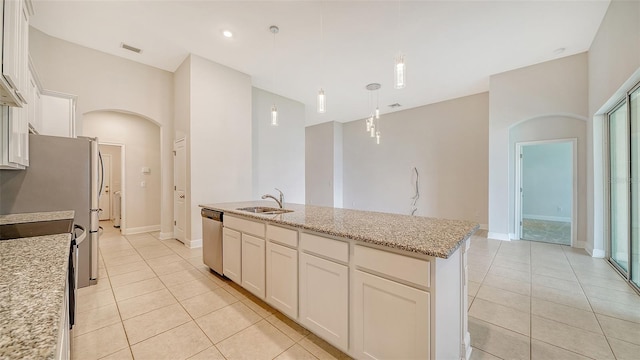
{"x": 63, "y": 174}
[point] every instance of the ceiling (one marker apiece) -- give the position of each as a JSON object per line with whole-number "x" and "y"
{"x": 451, "y": 47}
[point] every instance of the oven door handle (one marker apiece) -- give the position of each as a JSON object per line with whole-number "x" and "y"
{"x": 82, "y": 236}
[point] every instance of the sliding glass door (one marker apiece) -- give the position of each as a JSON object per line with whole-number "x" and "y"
{"x": 624, "y": 186}
{"x": 634, "y": 115}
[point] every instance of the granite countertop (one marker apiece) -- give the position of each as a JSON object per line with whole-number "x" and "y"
{"x": 422, "y": 235}
{"x": 35, "y": 217}
{"x": 33, "y": 277}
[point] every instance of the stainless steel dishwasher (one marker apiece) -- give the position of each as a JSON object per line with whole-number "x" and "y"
{"x": 212, "y": 239}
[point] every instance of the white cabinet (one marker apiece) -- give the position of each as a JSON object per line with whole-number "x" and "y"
{"x": 15, "y": 52}
{"x": 232, "y": 254}
{"x": 14, "y": 138}
{"x": 282, "y": 278}
{"x": 14, "y": 92}
{"x": 324, "y": 299}
{"x": 391, "y": 320}
{"x": 253, "y": 265}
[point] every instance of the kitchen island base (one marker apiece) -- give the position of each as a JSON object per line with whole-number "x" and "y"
{"x": 368, "y": 300}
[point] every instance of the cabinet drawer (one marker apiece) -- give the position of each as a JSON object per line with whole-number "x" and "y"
{"x": 246, "y": 226}
{"x": 281, "y": 235}
{"x": 333, "y": 249}
{"x": 406, "y": 268}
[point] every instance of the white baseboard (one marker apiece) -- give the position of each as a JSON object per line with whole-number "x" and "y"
{"x": 166, "y": 235}
{"x": 512, "y": 236}
{"x": 195, "y": 244}
{"x": 596, "y": 253}
{"x": 498, "y": 236}
{"x": 140, "y": 230}
{"x": 546, "y": 218}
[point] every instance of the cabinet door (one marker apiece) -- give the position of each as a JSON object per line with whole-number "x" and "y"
{"x": 232, "y": 255}
{"x": 11, "y": 47}
{"x": 253, "y": 265}
{"x": 391, "y": 319}
{"x": 324, "y": 299}
{"x": 282, "y": 279}
{"x": 18, "y": 136}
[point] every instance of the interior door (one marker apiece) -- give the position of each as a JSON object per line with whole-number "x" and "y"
{"x": 105, "y": 197}
{"x": 179, "y": 194}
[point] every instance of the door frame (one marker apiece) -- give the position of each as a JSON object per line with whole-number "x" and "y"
{"x": 186, "y": 242}
{"x": 110, "y": 196}
{"x": 518, "y": 185}
{"x": 123, "y": 184}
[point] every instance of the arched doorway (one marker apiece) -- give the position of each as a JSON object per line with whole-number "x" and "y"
{"x": 139, "y": 138}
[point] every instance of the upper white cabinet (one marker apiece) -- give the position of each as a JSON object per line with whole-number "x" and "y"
{"x": 14, "y": 84}
{"x": 15, "y": 52}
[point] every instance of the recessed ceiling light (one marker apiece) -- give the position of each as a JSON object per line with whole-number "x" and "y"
{"x": 559, "y": 51}
{"x": 227, "y": 33}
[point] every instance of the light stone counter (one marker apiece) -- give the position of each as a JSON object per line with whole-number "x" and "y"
{"x": 422, "y": 235}
{"x": 35, "y": 217}
{"x": 33, "y": 277}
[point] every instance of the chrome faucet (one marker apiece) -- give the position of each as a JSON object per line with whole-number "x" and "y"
{"x": 280, "y": 202}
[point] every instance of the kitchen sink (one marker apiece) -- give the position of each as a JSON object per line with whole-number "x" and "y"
{"x": 264, "y": 210}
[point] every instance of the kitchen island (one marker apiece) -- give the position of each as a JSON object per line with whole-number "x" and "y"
{"x": 374, "y": 285}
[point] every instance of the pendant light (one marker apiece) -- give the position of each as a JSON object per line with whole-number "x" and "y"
{"x": 400, "y": 73}
{"x": 373, "y": 122}
{"x": 322, "y": 100}
{"x": 274, "y": 109}
{"x": 399, "y": 69}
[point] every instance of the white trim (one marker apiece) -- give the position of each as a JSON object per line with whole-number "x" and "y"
{"x": 512, "y": 236}
{"x": 598, "y": 253}
{"x": 484, "y": 226}
{"x": 166, "y": 235}
{"x": 123, "y": 183}
{"x": 140, "y": 230}
{"x": 518, "y": 184}
{"x": 498, "y": 236}
{"x": 546, "y": 218}
{"x": 194, "y": 244}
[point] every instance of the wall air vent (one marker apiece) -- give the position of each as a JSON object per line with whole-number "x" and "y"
{"x": 394, "y": 106}
{"x": 130, "y": 48}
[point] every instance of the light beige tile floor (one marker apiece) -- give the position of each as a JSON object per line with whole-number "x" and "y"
{"x": 532, "y": 300}
{"x": 156, "y": 300}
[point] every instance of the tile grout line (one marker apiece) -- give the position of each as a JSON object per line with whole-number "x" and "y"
{"x": 591, "y": 306}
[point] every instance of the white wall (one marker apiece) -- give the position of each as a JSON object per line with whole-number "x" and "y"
{"x": 547, "y": 181}
{"x": 116, "y": 170}
{"x": 216, "y": 119}
{"x": 278, "y": 151}
{"x": 107, "y": 82}
{"x": 446, "y": 141}
{"x": 553, "y": 88}
{"x": 614, "y": 67}
{"x": 141, "y": 138}
{"x": 323, "y": 160}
